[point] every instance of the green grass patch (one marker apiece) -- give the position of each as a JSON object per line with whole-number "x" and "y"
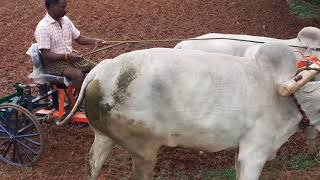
{"x": 27, "y": 169}
{"x": 160, "y": 178}
{"x": 226, "y": 174}
{"x": 302, "y": 161}
{"x": 305, "y": 10}
{"x": 298, "y": 162}
{"x": 181, "y": 176}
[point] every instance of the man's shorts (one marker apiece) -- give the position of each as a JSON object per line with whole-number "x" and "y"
{"x": 57, "y": 68}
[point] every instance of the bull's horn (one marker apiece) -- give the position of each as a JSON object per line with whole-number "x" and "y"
{"x": 294, "y": 84}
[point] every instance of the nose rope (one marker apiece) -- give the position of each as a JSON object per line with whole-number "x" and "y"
{"x": 305, "y": 121}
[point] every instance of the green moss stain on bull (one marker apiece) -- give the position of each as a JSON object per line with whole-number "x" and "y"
{"x": 127, "y": 75}
{"x": 92, "y": 101}
{"x": 93, "y": 106}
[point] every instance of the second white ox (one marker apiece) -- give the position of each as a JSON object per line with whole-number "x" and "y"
{"x": 247, "y": 46}
{"x": 148, "y": 98}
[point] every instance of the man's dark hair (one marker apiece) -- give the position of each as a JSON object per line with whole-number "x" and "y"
{"x": 49, "y": 3}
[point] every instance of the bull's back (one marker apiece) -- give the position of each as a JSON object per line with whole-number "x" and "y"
{"x": 232, "y": 44}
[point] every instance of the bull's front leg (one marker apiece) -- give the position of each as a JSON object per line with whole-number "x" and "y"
{"x": 144, "y": 159}
{"x": 253, "y": 154}
{"x": 237, "y": 165}
{"x": 142, "y": 168}
{"x": 310, "y": 134}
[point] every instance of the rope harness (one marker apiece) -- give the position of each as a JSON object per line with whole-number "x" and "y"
{"x": 305, "y": 121}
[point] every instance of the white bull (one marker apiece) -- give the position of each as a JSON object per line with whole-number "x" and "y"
{"x": 307, "y": 37}
{"x": 247, "y": 46}
{"x": 148, "y": 98}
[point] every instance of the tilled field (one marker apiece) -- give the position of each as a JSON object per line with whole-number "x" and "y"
{"x": 66, "y": 147}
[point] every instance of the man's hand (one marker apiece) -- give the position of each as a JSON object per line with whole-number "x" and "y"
{"x": 100, "y": 42}
{"x": 74, "y": 57}
{"x": 84, "y": 40}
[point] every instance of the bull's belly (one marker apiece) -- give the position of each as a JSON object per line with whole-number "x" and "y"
{"x": 206, "y": 141}
{"x": 203, "y": 135}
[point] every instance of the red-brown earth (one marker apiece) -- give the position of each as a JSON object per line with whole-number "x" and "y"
{"x": 66, "y": 147}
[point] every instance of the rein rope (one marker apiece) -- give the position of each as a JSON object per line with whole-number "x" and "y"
{"x": 202, "y": 39}
{"x": 119, "y": 42}
{"x": 97, "y": 50}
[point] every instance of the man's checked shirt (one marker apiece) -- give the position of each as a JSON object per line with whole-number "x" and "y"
{"x": 49, "y": 34}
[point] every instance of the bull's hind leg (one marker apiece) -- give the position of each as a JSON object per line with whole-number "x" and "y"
{"x": 99, "y": 151}
{"x": 143, "y": 163}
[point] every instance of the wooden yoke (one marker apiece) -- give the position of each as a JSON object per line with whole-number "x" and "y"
{"x": 293, "y": 85}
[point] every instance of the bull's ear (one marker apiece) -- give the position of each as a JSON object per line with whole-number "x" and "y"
{"x": 310, "y": 37}
{"x": 277, "y": 61}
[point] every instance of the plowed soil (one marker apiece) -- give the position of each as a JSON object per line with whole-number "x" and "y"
{"x": 66, "y": 147}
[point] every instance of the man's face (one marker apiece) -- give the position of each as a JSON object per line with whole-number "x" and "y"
{"x": 59, "y": 9}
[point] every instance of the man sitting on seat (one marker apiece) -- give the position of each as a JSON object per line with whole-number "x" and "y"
{"x": 54, "y": 35}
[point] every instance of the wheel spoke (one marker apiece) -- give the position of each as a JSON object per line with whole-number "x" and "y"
{"x": 19, "y": 150}
{"x": 27, "y": 135}
{"x": 25, "y": 128}
{"x": 4, "y": 137}
{"x": 25, "y": 152}
{"x": 32, "y": 141}
{"x": 20, "y": 153}
{"x": 17, "y": 155}
{"x": 2, "y": 129}
{"x": 13, "y": 159}
{"x": 27, "y": 147}
{"x": 3, "y": 133}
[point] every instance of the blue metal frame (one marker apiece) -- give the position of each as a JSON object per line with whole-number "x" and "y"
{"x": 24, "y": 98}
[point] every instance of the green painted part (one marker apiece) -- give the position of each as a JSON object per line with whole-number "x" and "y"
{"x": 10, "y": 99}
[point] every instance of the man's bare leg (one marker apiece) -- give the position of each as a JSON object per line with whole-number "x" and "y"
{"x": 76, "y": 75}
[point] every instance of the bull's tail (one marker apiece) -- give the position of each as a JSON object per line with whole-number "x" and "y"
{"x": 90, "y": 76}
